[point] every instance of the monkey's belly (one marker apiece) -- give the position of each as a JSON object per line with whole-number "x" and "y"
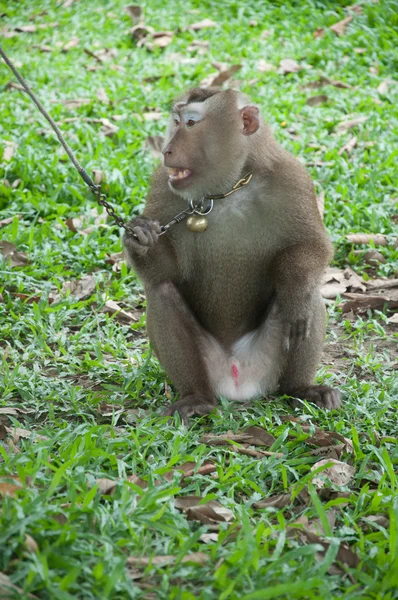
{"x": 253, "y": 366}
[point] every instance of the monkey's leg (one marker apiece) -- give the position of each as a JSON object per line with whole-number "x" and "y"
{"x": 176, "y": 336}
{"x": 298, "y": 375}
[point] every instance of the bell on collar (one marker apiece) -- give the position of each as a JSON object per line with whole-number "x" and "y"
{"x": 197, "y": 224}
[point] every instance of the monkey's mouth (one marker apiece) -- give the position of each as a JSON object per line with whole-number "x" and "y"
{"x": 177, "y": 174}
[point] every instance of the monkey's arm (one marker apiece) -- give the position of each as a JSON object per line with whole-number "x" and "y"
{"x": 296, "y": 272}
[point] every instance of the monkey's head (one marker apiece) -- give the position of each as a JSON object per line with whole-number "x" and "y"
{"x": 208, "y": 141}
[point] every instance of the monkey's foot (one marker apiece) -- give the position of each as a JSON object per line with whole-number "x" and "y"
{"x": 189, "y": 406}
{"x": 321, "y": 395}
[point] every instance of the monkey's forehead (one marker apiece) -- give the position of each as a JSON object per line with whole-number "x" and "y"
{"x": 183, "y": 107}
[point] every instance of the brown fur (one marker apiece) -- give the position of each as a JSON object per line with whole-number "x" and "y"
{"x": 263, "y": 253}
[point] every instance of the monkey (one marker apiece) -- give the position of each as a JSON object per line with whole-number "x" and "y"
{"x": 233, "y": 296}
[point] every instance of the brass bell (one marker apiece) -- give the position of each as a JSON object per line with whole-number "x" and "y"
{"x": 197, "y": 224}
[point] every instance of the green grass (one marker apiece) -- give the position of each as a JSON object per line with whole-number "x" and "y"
{"x": 79, "y": 376}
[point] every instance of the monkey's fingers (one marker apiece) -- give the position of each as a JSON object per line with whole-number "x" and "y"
{"x": 134, "y": 246}
{"x": 321, "y": 395}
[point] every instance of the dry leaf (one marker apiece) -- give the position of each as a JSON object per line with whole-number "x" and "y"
{"x": 26, "y": 29}
{"x": 383, "y": 87}
{"x": 259, "y": 436}
{"x": 345, "y": 125}
{"x": 98, "y": 176}
{"x": 349, "y": 146}
{"x": 162, "y": 41}
{"x": 317, "y": 100}
{"x": 319, "y": 32}
{"x": 288, "y": 65}
{"x": 340, "y": 27}
{"x": 160, "y": 561}
{"x": 277, "y": 501}
{"x": 394, "y": 318}
{"x": 76, "y": 102}
{"x": 112, "y": 308}
{"x": 339, "y": 473}
{"x": 356, "y": 8}
{"x": 19, "y": 432}
{"x": 9, "y": 251}
{"x": 80, "y": 288}
{"x": 152, "y": 115}
{"x": 224, "y": 75}
{"x": 10, "y": 485}
{"x": 108, "y": 129}
{"x": 265, "y": 67}
{"x": 380, "y": 520}
{"x": 206, "y": 538}
{"x": 106, "y": 486}
{"x": 74, "y": 41}
{"x": 189, "y": 468}
{"x": 139, "y": 32}
{"x": 322, "y": 81}
{"x": 155, "y": 143}
{"x": 372, "y": 257}
{"x": 360, "y": 50}
{"x": 335, "y": 282}
{"x": 378, "y": 239}
{"x": 212, "y": 512}
{"x": 9, "y": 591}
{"x": 320, "y": 200}
{"x": 134, "y": 11}
{"x": 202, "y": 25}
{"x": 8, "y": 220}
{"x": 102, "y": 96}
{"x": 9, "y": 150}
{"x": 363, "y": 302}
{"x": 31, "y": 543}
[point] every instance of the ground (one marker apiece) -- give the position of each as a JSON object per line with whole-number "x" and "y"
{"x": 96, "y": 489}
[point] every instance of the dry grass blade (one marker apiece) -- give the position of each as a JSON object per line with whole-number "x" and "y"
{"x": 168, "y": 559}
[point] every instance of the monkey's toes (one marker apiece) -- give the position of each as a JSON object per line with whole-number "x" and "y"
{"x": 321, "y": 395}
{"x": 189, "y": 407}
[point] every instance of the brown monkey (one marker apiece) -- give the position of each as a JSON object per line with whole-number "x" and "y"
{"x": 234, "y": 310}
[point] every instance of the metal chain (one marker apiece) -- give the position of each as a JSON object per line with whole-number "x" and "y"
{"x": 94, "y": 188}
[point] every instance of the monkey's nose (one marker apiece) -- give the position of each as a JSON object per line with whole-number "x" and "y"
{"x": 167, "y": 152}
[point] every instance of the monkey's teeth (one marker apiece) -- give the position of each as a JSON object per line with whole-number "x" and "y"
{"x": 176, "y": 173}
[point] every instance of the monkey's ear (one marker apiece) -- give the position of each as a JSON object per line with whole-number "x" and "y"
{"x": 250, "y": 119}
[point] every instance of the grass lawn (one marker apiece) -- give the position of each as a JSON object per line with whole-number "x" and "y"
{"x": 95, "y": 488}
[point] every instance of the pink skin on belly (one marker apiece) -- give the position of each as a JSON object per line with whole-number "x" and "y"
{"x": 235, "y": 374}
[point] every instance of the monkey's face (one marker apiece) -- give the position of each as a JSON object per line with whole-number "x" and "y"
{"x": 207, "y": 143}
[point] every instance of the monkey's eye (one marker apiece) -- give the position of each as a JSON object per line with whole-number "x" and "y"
{"x": 191, "y": 123}
{"x": 176, "y": 122}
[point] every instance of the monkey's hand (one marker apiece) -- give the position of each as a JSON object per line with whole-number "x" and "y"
{"x": 191, "y": 405}
{"x": 297, "y": 326}
{"x": 142, "y": 235}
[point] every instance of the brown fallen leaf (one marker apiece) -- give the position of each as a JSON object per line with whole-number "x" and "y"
{"x": 79, "y": 288}
{"x": 320, "y": 200}
{"x": 378, "y": 521}
{"x": 76, "y": 102}
{"x": 363, "y": 302}
{"x": 277, "y": 501}
{"x": 265, "y": 67}
{"x": 152, "y": 115}
{"x": 211, "y": 512}
{"x": 8, "y": 220}
{"x": 26, "y": 29}
{"x": 317, "y": 100}
{"x": 106, "y": 486}
{"x": 155, "y": 144}
{"x": 140, "y": 32}
{"x": 9, "y": 150}
{"x": 322, "y": 81}
{"x": 134, "y": 12}
{"x": 372, "y": 257}
{"x": 10, "y": 253}
{"x": 383, "y": 87}
{"x": 289, "y": 65}
{"x": 378, "y": 239}
{"x": 30, "y": 543}
{"x": 360, "y": 50}
{"x": 394, "y": 318}
{"x": 18, "y": 432}
{"x": 189, "y": 468}
{"x": 103, "y": 96}
{"x": 381, "y": 284}
{"x": 356, "y": 8}
{"x": 339, "y": 473}
{"x": 10, "y": 485}
{"x": 98, "y": 176}
{"x": 162, "y": 40}
{"x": 335, "y": 282}
{"x": 349, "y": 146}
{"x": 345, "y": 125}
{"x": 108, "y": 129}
{"x": 73, "y": 43}
{"x": 113, "y": 308}
{"x": 9, "y": 591}
{"x": 202, "y": 25}
{"x": 340, "y": 27}
{"x": 160, "y": 561}
{"x": 319, "y": 32}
